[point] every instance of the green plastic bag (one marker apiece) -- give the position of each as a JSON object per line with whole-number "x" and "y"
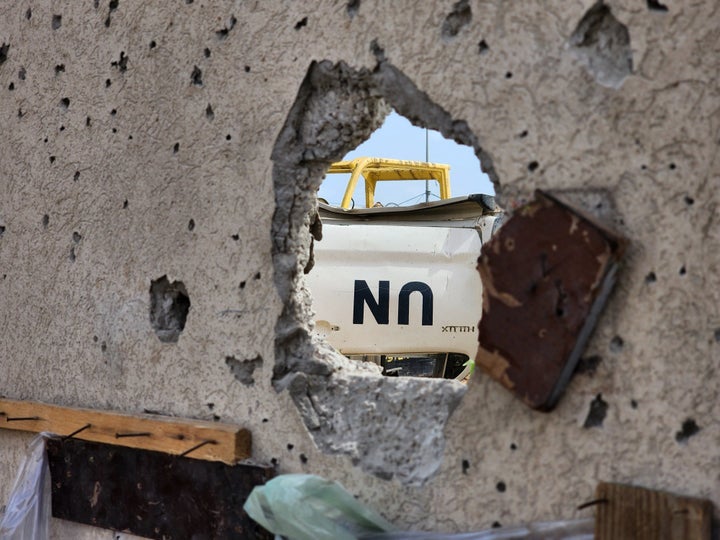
{"x": 307, "y": 507}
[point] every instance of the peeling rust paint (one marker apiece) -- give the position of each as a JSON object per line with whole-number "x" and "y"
{"x": 546, "y": 275}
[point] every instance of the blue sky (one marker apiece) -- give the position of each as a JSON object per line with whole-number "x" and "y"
{"x": 397, "y": 138}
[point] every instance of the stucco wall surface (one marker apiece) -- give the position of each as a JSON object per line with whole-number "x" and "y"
{"x": 139, "y": 141}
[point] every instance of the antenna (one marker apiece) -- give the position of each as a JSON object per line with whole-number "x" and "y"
{"x": 427, "y": 158}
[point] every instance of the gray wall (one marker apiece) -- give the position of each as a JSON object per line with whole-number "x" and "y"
{"x": 617, "y": 105}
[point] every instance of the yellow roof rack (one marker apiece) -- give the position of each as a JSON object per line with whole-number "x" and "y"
{"x": 375, "y": 170}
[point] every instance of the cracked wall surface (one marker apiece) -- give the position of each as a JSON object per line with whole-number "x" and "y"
{"x": 141, "y": 141}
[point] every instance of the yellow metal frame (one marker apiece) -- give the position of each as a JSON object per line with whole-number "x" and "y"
{"x": 374, "y": 170}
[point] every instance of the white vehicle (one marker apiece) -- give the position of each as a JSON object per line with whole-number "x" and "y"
{"x": 398, "y": 285}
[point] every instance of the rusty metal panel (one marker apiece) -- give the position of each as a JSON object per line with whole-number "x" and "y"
{"x": 152, "y": 494}
{"x": 546, "y": 275}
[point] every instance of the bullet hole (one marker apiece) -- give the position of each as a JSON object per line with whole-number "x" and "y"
{"x": 633, "y": 404}
{"x": 216, "y": 418}
{"x": 20, "y": 113}
{"x": 672, "y": 166}
{"x": 242, "y": 284}
{"x": 228, "y": 137}
{"x": 616, "y": 344}
{"x": 654, "y": 5}
{"x": 650, "y": 278}
{"x": 682, "y": 270}
{"x": 188, "y": 2}
{"x": 508, "y": 74}
{"x": 501, "y": 487}
{"x": 62, "y": 128}
{"x": 72, "y": 254}
{"x": 113, "y": 112}
{"x": 45, "y": 140}
{"x": 513, "y": 446}
{"x": 496, "y": 525}
{"x": 523, "y": 134}
{"x": 716, "y": 334}
{"x": 4, "y": 48}
{"x": 210, "y": 405}
{"x": 532, "y": 166}
{"x": 602, "y": 44}
{"x": 52, "y": 159}
{"x": 588, "y": 365}
{"x": 87, "y": 121}
{"x": 2, "y": 230}
{"x": 643, "y": 167}
{"x": 103, "y": 346}
{"x": 176, "y": 147}
{"x": 465, "y": 466}
{"x": 274, "y": 461}
{"x": 377, "y": 50}
{"x": 22, "y": 73}
{"x": 196, "y": 76}
{"x": 169, "y": 307}
{"x": 130, "y": 137}
{"x": 257, "y": 276}
{"x": 76, "y": 176}
{"x": 64, "y": 103}
{"x": 596, "y": 414}
{"x": 456, "y": 20}
{"x": 108, "y": 82}
{"x": 11, "y": 86}
{"x": 247, "y": 69}
{"x": 353, "y": 6}
{"x": 114, "y": 130}
{"x": 76, "y": 236}
{"x": 153, "y": 44}
{"x": 56, "y": 22}
{"x": 28, "y": 14}
{"x": 96, "y": 3}
{"x": 191, "y": 225}
{"x": 95, "y": 339}
{"x": 45, "y": 221}
{"x": 223, "y": 34}
{"x": 113, "y": 6}
{"x": 265, "y": 420}
{"x": 483, "y": 47}
{"x": 243, "y": 370}
{"x": 290, "y": 446}
{"x": 125, "y": 204}
{"x": 209, "y": 114}
{"x": 689, "y": 200}
{"x": 235, "y": 237}
{"x": 302, "y": 22}
{"x": 303, "y": 457}
{"x": 122, "y": 63}
{"x": 688, "y": 429}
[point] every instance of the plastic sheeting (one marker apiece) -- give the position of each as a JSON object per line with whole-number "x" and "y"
{"x": 307, "y": 507}
{"x": 28, "y": 510}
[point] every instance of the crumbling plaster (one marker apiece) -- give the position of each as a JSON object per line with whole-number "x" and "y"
{"x": 75, "y": 310}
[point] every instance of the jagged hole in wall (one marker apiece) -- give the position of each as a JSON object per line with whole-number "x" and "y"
{"x": 389, "y": 426}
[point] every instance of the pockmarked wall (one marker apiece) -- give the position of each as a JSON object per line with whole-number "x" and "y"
{"x": 157, "y": 180}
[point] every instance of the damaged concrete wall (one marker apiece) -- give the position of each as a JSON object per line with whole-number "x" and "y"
{"x": 157, "y": 183}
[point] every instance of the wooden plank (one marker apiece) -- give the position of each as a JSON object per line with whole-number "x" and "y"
{"x": 152, "y": 494}
{"x": 210, "y": 441}
{"x": 633, "y": 513}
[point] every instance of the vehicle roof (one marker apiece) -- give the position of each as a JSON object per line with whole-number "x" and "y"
{"x": 463, "y": 207}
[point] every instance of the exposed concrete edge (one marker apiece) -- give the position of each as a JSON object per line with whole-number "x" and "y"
{"x": 390, "y": 427}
